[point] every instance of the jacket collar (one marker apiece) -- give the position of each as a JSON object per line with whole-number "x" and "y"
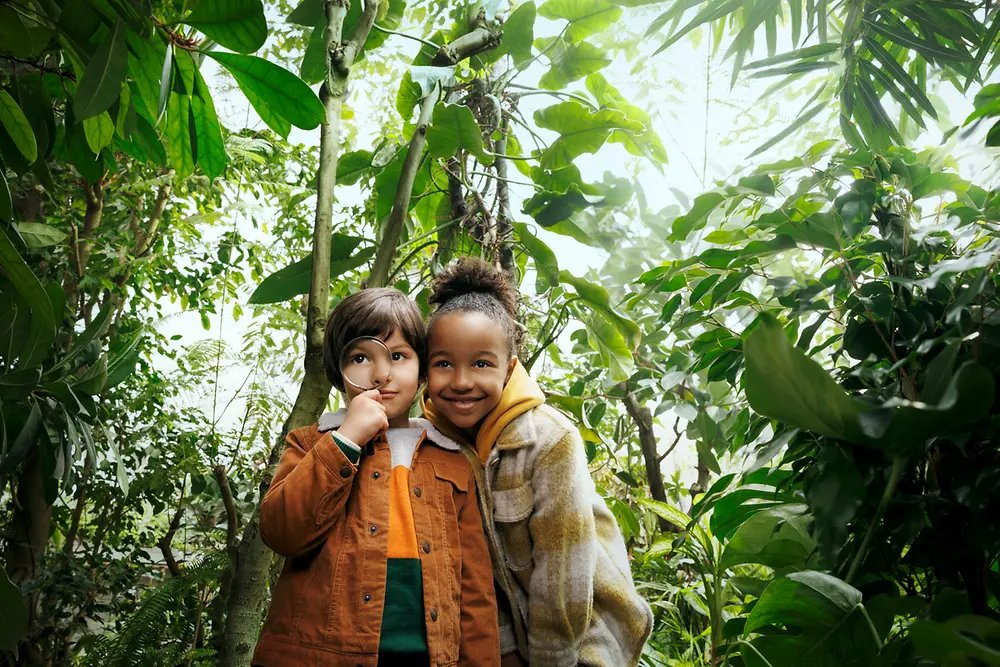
{"x": 332, "y": 420}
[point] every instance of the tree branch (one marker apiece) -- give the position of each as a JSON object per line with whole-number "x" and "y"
{"x": 469, "y": 44}
{"x": 164, "y": 543}
{"x": 232, "y": 518}
{"x": 348, "y": 53}
{"x": 504, "y": 229}
{"x": 144, "y": 237}
{"x": 81, "y": 502}
{"x": 643, "y": 419}
{"x": 401, "y": 204}
{"x": 673, "y": 445}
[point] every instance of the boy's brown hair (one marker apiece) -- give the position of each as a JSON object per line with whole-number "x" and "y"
{"x": 375, "y": 311}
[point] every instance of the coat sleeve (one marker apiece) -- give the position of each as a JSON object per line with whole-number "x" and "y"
{"x": 480, "y": 642}
{"x": 564, "y": 551}
{"x": 309, "y": 491}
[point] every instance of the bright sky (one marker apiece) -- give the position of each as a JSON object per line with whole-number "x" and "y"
{"x": 672, "y": 87}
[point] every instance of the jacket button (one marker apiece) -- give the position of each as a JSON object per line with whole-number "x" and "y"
{"x": 372, "y": 529}
{"x": 376, "y": 475}
{"x": 345, "y": 471}
{"x": 434, "y": 614}
{"x": 367, "y": 597}
{"x": 427, "y": 547}
{"x": 416, "y": 491}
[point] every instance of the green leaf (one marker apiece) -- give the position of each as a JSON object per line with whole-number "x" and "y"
{"x": 293, "y": 280}
{"x": 608, "y": 342}
{"x": 714, "y": 10}
{"x": 835, "y": 491}
{"x": 211, "y": 151}
{"x": 777, "y": 537}
{"x": 352, "y": 166}
{"x": 546, "y": 265}
{"x": 94, "y": 378}
{"x": 585, "y": 17}
{"x": 598, "y": 299}
{"x": 17, "y": 126}
{"x": 697, "y": 217}
{"x": 179, "y": 135}
{"x": 760, "y": 184}
{"x": 313, "y": 67}
{"x": 645, "y": 144}
{"x": 102, "y": 80}
{"x": 280, "y": 126}
{"x": 13, "y": 614}
{"x": 580, "y": 131}
{"x": 808, "y": 52}
{"x": 123, "y": 364}
{"x": 958, "y": 642}
{"x": 518, "y": 33}
{"x": 308, "y": 13}
{"x": 6, "y": 205}
{"x": 279, "y": 90}
{"x": 669, "y": 512}
{"x": 37, "y": 235}
{"x": 827, "y": 625}
{"x": 453, "y": 127}
{"x": 899, "y": 75}
{"x": 99, "y": 130}
{"x": 43, "y": 324}
{"x": 571, "y": 62}
{"x": 802, "y": 119}
{"x": 37, "y": 107}
{"x": 235, "y": 24}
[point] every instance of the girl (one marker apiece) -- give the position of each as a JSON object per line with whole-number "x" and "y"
{"x": 558, "y": 555}
{"x": 386, "y": 559}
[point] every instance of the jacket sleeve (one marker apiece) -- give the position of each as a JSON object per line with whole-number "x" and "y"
{"x": 564, "y": 551}
{"x": 308, "y": 492}
{"x": 480, "y": 642}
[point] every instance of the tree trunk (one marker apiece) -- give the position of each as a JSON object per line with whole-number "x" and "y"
{"x": 248, "y": 593}
{"x": 504, "y": 229}
{"x": 647, "y": 440}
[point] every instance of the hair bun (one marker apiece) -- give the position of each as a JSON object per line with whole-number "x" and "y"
{"x": 471, "y": 275}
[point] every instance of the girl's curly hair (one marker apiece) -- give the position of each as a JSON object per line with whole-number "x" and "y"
{"x": 473, "y": 285}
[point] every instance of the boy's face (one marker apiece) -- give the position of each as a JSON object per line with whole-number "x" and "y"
{"x": 401, "y": 390}
{"x": 468, "y": 366}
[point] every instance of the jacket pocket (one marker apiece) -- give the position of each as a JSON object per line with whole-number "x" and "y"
{"x": 512, "y": 510}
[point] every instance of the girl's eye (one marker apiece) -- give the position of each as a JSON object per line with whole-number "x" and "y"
{"x": 441, "y": 364}
{"x": 358, "y": 359}
{"x": 482, "y": 364}
{"x": 398, "y": 356}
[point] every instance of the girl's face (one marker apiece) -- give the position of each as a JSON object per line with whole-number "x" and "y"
{"x": 469, "y": 366}
{"x": 399, "y": 393}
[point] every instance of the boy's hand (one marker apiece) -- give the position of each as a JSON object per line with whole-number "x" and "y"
{"x": 365, "y": 418}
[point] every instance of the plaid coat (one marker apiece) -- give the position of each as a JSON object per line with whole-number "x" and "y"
{"x": 567, "y": 573}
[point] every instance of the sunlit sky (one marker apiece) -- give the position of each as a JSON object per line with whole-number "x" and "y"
{"x": 707, "y": 128}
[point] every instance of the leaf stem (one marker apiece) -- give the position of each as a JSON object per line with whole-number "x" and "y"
{"x": 890, "y": 489}
{"x": 528, "y": 90}
{"x": 425, "y": 42}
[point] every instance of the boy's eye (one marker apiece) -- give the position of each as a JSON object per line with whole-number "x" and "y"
{"x": 397, "y": 356}
{"x": 358, "y": 358}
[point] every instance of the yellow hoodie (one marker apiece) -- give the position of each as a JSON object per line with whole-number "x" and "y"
{"x": 520, "y": 394}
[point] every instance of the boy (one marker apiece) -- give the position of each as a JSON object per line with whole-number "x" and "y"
{"x": 377, "y": 516}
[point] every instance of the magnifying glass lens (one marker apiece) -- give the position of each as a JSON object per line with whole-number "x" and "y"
{"x": 366, "y": 363}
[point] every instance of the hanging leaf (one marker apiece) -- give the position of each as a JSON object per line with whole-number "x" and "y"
{"x": 453, "y": 127}
{"x": 104, "y": 75}
{"x": 313, "y": 67}
{"x": 614, "y": 352}
{"x": 165, "y": 74}
{"x": 518, "y": 34}
{"x": 697, "y": 217}
{"x": 208, "y": 131}
{"x": 179, "y": 135}
{"x": 43, "y": 324}
{"x": 963, "y": 640}
{"x": 571, "y": 62}
{"x": 13, "y": 614}
{"x": 352, "y": 166}
{"x": 586, "y": 17}
{"x": 546, "y": 265}
{"x": 17, "y": 126}
{"x": 99, "y": 131}
{"x": 597, "y": 297}
{"x": 713, "y": 11}
{"x": 580, "y": 131}
{"x": 275, "y": 87}
{"x": 293, "y": 280}
{"x": 37, "y": 107}
{"x": 235, "y": 24}
{"x": 6, "y": 206}
{"x": 777, "y": 537}
{"x": 37, "y": 235}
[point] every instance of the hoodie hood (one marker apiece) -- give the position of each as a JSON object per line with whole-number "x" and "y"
{"x": 520, "y": 394}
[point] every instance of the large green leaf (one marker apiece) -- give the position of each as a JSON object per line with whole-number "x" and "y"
{"x": 38, "y": 235}
{"x": 179, "y": 135}
{"x": 279, "y": 90}
{"x": 614, "y": 352}
{"x": 546, "y": 265}
{"x": 646, "y": 143}
{"x": 818, "y": 621}
{"x": 580, "y": 130}
{"x": 13, "y": 614}
{"x": 777, "y": 537}
{"x": 697, "y": 217}
{"x": 99, "y": 130}
{"x": 104, "y": 75}
{"x": 235, "y": 24}
{"x": 43, "y": 323}
{"x": 598, "y": 299}
{"x": 453, "y": 127}
{"x": 962, "y": 641}
{"x": 352, "y": 166}
{"x": 17, "y": 126}
{"x": 211, "y": 151}
{"x": 293, "y": 280}
{"x": 571, "y": 62}
{"x": 518, "y": 33}
{"x": 585, "y": 17}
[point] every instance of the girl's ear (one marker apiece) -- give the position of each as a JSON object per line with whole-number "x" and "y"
{"x": 510, "y": 369}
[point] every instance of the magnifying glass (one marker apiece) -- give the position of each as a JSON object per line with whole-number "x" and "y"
{"x": 366, "y": 363}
